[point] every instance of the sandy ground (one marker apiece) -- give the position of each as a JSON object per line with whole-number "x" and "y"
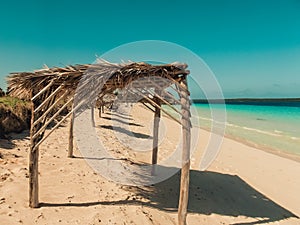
{"x": 243, "y": 185}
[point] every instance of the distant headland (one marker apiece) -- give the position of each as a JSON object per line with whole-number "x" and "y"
{"x": 294, "y": 102}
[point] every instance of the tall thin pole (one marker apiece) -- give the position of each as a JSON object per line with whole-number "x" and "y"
{"x": 33, "y": 163}
{"x": 71, "y": 134}
{"x": 186, "y": 137}
{"x": 157, "y": 115}
{"x": 93, "y": 115}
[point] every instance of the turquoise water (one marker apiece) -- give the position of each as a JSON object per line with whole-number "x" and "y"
{"x": 274, "y": 127}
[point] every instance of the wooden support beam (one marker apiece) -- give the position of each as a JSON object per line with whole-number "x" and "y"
{"x": 58, "y": 124}
{"x": 48, "y": 98}
{"x": 93, "y": 115}
{"x": 167, "y": 93}
{"x": 33, "y": 177}
{"x": 157, "y": 115}
{"x": 42, "y": 129}
{"x": 51, "y": 131}
{"x": 50, "y": 108}
{"x": 167, "y": 103}
{"x": 155, "y": 104}
{"x": 185, "y": 170}
{"x": 43, "y": 90}
{"x": 71, "y": 135}
{"x": 33, "y": 165}
{"x": 34, "y": 150}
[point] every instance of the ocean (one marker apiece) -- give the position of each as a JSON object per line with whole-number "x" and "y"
{"x": 271, "y": 126}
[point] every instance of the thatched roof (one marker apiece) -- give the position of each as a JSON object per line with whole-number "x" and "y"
{"x": 21, "y": 84}
{"x": 85, "y": 85}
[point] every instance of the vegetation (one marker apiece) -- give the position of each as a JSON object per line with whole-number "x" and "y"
{"x": 11, "y": 102}
{"x": 15, "y": 115}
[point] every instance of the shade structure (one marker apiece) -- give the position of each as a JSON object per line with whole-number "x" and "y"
{"x": 76, "y": 88}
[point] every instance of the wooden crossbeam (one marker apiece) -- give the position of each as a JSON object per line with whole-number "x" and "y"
{"x": 48, "y": 98}
{"x": 43, "y": 90}
{"x": 155, "y": 104}
{"x": 166, "y": 92}
{"x": 167, "y": 103}
{"x": 42, "y": 129}
{"x": 51, "y": 108}
{"x": 52, "y": 129}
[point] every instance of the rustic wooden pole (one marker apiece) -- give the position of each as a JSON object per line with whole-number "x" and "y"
{"x": 186, "y": 141}
{"x": 157, "y": 115}
{"x": 93, "y": 115}
{"x": 33, "y": 176}
{"x": 71, "y": 136}
{"x": 33, "y": 164}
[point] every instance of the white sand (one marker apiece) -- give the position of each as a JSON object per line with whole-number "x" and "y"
{"x": 244, "y": 185}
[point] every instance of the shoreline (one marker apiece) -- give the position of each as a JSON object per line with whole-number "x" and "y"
{"x": 241, "y": 186}
{"x": 277, "y": 152}
{"x": 281, "y": 153}
{"x": 271, "y": 150}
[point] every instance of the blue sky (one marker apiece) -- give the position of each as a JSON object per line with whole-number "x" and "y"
{"x": 253, "y": 47}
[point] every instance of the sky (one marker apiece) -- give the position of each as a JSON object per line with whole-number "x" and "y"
{"x": 252, "y": 46}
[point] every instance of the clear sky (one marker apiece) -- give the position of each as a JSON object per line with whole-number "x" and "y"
{"x": 252, "y": 46}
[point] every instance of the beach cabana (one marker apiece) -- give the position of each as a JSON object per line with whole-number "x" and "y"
{"x": 52, "y": 90}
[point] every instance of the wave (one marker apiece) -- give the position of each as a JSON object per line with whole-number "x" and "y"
{"x": 262, "y": 131}
{"x": 204, "y": 118}
{"x": 295, "y": 138}
{"x": 276, "y": 133}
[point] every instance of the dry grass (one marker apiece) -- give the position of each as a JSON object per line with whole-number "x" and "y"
{"x": 12, "y": 102}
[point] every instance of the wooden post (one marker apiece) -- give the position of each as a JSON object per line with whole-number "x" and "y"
{"x": 99, "y": 111}
{"x": 33, "y": 164}
{"x": 93, "y": 115}
{"x": 155, "y": 136}
{"x": 37, "y": 132}
{"x": 71, "y": 136}
{"x": 186, "y": 141}
{"x": 33, "y": 176}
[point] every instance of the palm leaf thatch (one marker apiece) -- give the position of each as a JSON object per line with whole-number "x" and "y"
{"x": 21, "y": 84}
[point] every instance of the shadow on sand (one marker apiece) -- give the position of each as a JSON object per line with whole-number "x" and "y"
{"x": 121, "y": 121}
{"x": 120, "y": 115}
{"x": 125, "y": 131}
{"x": 210, "y": 193}
{"x": 7, "y": 143}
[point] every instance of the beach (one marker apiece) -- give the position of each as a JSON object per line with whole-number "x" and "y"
{"x": 244, "y": 185}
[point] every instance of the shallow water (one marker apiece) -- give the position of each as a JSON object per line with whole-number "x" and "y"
{"x": 275, "y": 127}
